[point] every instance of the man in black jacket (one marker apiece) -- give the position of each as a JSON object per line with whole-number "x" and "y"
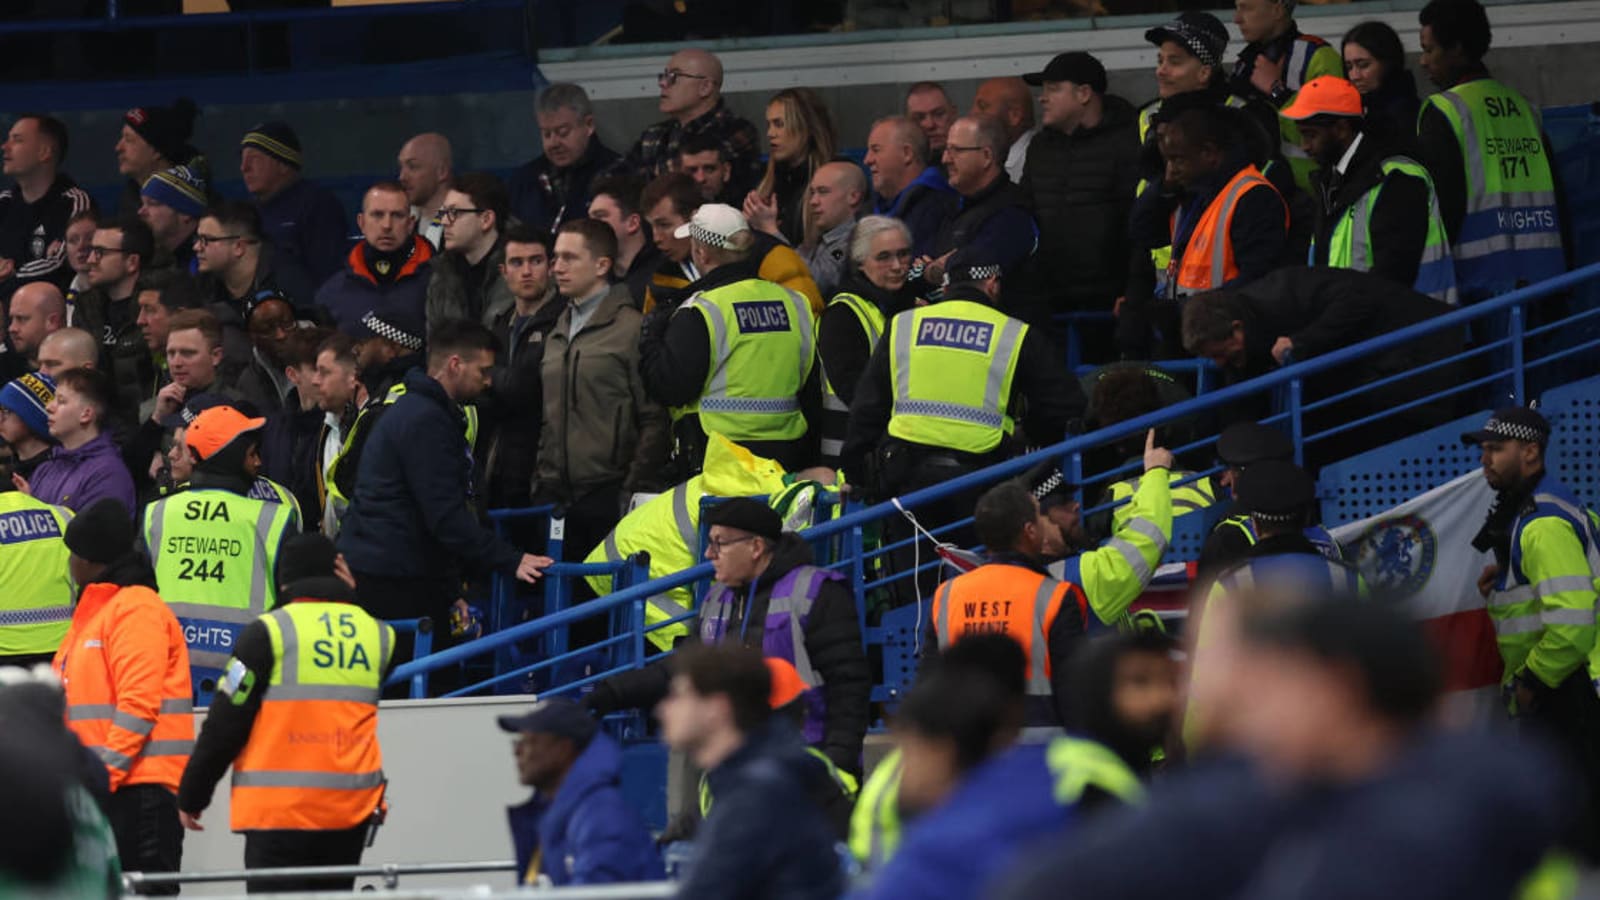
{"x": 410, "y": 527}
{"x": 1297, "y": 314}
{"x": 554, "y": 188}
{"x": 36, "y": 207}
{"x": 752, "y": 557}
{"x": 513, "y": 409}
{"x": 1375, "y": 205}
{"x": 1080, "y": 177}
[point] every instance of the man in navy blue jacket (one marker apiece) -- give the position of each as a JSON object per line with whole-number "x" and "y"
{"x": 576, "y": 828}
{"x": 410, "y": 530}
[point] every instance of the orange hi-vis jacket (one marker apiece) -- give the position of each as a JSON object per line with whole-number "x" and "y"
{"x": 313, "y": 760}
{"x": 998, "y": 598}
{"x": 1208, "y": 262}
{"x": 125, "y": 668}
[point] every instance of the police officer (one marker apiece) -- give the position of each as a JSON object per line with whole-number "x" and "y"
{"x": 299, "y": 725}
{"x": 1012, "y": 594}
{"x": 941, "y": 390}
{"x": 1491, "y": 165}
{"x": 1376, "y": 207}
{"x": 738, "y": 357}
{"x": 1541, "y": 586}
{"x": 1240, "y": 445}
{"x": 1282, "y": 562}
{"x": 213, "y": 546}
{"x": 36, "y": 604}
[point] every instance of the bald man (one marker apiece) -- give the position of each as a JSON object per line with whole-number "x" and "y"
{"x": 37, "y": 310}
{"x": 835, "y": 199}
{"x": 425, "y": 169}
{"x": 68, "y": 348}
{"x": 1010, "y": 102}
{"x": 691, "y": 98}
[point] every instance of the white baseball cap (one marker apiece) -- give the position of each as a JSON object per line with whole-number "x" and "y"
{"x": 714, "y": 224}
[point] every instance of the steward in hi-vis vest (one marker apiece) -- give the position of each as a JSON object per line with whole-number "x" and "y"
{"x": 1484, "y": 144}
{"x": 738, "y": 357}
{"x": 1376, "y": 207}
{"x": 296, "y": 716}
{"x": 213, "y": 546}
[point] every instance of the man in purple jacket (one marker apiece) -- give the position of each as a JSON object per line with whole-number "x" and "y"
{"x": 87, "y": 465}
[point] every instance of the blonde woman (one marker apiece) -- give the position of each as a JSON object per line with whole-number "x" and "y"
{"x": 800, "y": 138}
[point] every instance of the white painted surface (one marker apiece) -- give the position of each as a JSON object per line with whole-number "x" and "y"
{"x": 451, "y": 776}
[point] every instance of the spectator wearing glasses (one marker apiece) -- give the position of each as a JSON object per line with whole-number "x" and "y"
{"x": 691, "y": 98}
{"x": 555, "y": 187}
{"x": 235, "y": 274}
{"x": 874, "y": 291}
{"x": 466, "y": 282}
{"x": 390, "y": 268}
{"x": 121, "y": 251}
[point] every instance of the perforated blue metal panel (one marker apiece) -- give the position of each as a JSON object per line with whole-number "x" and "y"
{"x": 1574, "y": 414}
{"x": 1189, "y": 533}
{"x": 898, "y": 633}
{"x": 1379, "y": 479}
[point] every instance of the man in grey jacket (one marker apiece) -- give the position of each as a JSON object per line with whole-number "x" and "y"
{"x": 466, "y": 281}
{"x": 603, "y": 437}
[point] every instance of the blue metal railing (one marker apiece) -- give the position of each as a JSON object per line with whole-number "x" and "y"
{"x": 1286, "y": 384}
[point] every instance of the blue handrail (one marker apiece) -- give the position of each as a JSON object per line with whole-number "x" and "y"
{"x": 1068, "y": 453}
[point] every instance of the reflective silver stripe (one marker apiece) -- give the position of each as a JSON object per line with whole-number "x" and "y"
{"x": 1219, "y": 246}
{"x": 83, "y": 712}
{"x": 902, "y": 326}
{"x": 685, "y": 522}
{"x": 1476, "y": 178}
{"x": 385, "y": 638}
{"x": 832, "y": 446}
{"x": 178, "y": 705}
{"x": 613, "y": 553}
{"x": 39, "y": 616}
{"x": 114, "y": 759}
{"x": 1294, "y": 74}
{"x": 1150, "y": 530}
{"x": 1135, "y": 559}
{"x": 1039, "y": 654}
{"x": 1516, "y": 596}
{"x": 943, "y": 410}
{"x": 797, "y": 603}
{"x": 717, "y": 384}
{"x": 942, "y": 604}
{"x": 289, "y": 658}
{"x": 346, "y": 692}
{"x": 167, "y": 748}
{"x": 130, "y": 722}
{"x": 1360, "y": 230}
{"x": 154, "y": 516}
{"x": 291, "y": 779}
{"x": 211, "y": 613}
{"x": 1563, "y": 583}
{"x": 1560, "y": 615}
{"x": 1519, "y": 625}
{"x": 667, "y": 607}
{"x": 1561, "y": 504}
{"x": 261, "y": 572}
{"x": 800, "y": 312}
{"x": 1005, "y": 348}
{"x": 1541, "y": 240}
{"x": 830, "y": 400}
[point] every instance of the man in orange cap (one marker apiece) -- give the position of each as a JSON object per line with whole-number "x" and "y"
{"x": 214, "y": 547}
{"x": 1376, "y": 207}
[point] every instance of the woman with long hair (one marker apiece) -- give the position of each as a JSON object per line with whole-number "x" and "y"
{"x": 800, "y": 138}
{"x": 1375, "y": 62}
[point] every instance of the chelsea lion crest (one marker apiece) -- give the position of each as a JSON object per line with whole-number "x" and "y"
{"x": 1397, "y": 555}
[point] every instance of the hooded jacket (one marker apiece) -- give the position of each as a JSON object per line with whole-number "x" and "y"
{"x": 77, "y": 478}
{"x": 832, "y": 639}
{"x": 600, "y": 427}
{"x": 355, "y": 290}
{"x": 586, "y": 833}
{"x": 1081, "y": 187}
{"x": 764, "y": 837}
{"x": 411, "y": 513}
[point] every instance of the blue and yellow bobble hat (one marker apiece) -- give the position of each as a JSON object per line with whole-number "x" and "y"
{"x": 26, "y": 398}
{"x": 179, "y": 187}
{"x": 277, "y": 140}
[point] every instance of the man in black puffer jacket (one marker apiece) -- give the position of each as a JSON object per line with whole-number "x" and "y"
{"x": 1080, "y": 177}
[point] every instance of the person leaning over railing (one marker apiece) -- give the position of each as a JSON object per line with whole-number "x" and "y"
{"x": 799, "y": 613}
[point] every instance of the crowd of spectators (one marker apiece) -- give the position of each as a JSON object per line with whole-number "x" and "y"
{"x": 589, "y": 329}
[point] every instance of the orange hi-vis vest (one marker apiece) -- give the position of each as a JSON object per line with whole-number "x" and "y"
{"x": 998, "y": 598}
{"x": 125, "y": 668}
{"x": 1207, "y": 262}
{"x": 313, "y": 762}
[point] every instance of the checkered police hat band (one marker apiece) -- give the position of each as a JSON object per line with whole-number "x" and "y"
{"x": 1515, "y": 431}
{"x": 1045, "y": 487}
{"x": 390, "y": 333}
{"x": 1195, "y": 42}
{"x": 709, "y": 237}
